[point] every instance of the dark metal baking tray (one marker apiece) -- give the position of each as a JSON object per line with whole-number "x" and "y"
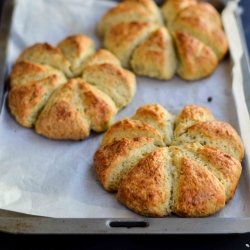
{"x": 13, "y": 222}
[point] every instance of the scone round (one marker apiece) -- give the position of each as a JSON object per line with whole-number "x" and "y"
{"x": 195, "y": 176}
{"x": 124, "y": 37}
{"x": 42, "y": 96}
{"x": 200, "y": 41}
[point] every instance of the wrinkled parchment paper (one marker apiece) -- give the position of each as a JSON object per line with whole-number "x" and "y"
{"x": 52, "y": 178}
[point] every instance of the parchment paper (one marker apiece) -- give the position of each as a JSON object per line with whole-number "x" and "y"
{"x": 53, "y": 178}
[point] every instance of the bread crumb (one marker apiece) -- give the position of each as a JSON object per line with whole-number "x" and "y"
{"x": 209, "y": 99}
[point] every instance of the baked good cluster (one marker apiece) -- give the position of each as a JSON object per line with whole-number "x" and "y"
{"x": 158, "y": 164}
{"x": 183, "y": 36}
{"x": 68, "y": 90}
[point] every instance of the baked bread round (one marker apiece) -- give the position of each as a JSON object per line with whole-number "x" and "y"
{"x": 189, "y": 165}
{"x": 68, "y": 90}
{"x": 191, "y": 43}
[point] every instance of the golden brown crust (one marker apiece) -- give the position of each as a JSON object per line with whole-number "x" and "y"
{"x": 155, "y": 57}
{"x": 45, "y": 53}
{"x": 78, "y": 106}
{"x": 63, "y": 116}
{"x": 118, "y": 83}
{"x": 127, "y": 128}
{"x": 114, "y": 160}
{"x": 226, "y": 168}
{"x": 202, "y": 30}
{"x": 62, "y": 122}
{"x": 77, "y": 49}
{"x": 27, "y": 100}
{"x": 197, "y": 192}
{"x": 73, "y": 110}
{"x": 25, "y": 71}
{"x": 124, "y": 37}
{"x": 204, "y": 10}
{"x": 127, "y": 11}
{"x": 200, "y": 40}
{"x": 100, "y": 57}
{"x": 196, "y": 60}
{"x": 220, "y": 134}
{"x": 190, "y": 115}
{"x": 194, "y": 177}
{"x": 195, "y": 113}
{"x": 152, "y": 8}
{"x": 99, "y": 108}
{"x": 146, "y": 189}
{"x": 157, "y": 117}
{"x": 171, "y": 8}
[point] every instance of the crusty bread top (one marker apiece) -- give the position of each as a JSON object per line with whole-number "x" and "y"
{"x": 190, "y": 115}
{"x": 25, "y": 71}
{"x": 155, "y": 56}
{"x": 28, "y": 99}
{"x": 124, "y": 12}
{"x": 152, "y": 8}
{"x": 197, "y": 27}
{"x": 196, "y": 191}
{"x": 159, "y": 118}
{"x": 77, "y": 49}
{"x": 135, "y": 33}
{"x": 63, "y": 116}
{"x": 211, "y": 35}
{"x": 118, "y": 83}
{"x": 171, "y": 8}
{"x": 205, "y": 11}
{"x": 45, "y": 53}
{"x": 146, "y": 189}
{"x": 215, "y": 133}
{"x": 197, "y": 124}
{"x": 196, "y": 59}
{"x": 100, "y": 57}
{"x": 114, "y": 160}
{"x": 73, "y": 110}
{"x": 127, "y": 128}
{"x": 227, "y": 169}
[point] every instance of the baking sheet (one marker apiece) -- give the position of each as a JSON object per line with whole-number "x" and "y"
{"x": 39, "y": 176}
